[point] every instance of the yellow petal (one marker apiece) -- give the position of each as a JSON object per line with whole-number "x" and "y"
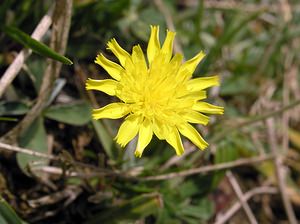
{"x": 113, "y": 69}
{"x": 208, "y": 108}
{"x": 153, "y": 44}
{"x": 195, "y": 117}
{"x": 128, "y": 130}
{"x": 202, "y": 83}
{"x": 159, "y": 129}
{"x": 176, "y": 60}
{"x": 173, "y": 67}
{"x": 193, "y": 62}
{"x": 192, "y": 134}
{"x": 194, "y": 96}
{"x": 145, "y": 136}
{"x": 139, "y": 59}
{"x": 167, "y": 48}
{"x": 120, "y": 53}
{"x": 173, "y": 138}
{"x": 187, "y": 69}
{"x": 112, "y": 111}
{"x": 107, "y": 86}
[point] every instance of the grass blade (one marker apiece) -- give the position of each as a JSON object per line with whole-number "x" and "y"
{"x": 8, "y": 214}
{"x": 35, "y": 45}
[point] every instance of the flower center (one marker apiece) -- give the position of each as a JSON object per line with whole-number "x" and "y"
{"x": 152, "y": 94}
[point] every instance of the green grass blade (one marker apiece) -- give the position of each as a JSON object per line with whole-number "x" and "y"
{"x": 35, "y": 45}
{"x": 8, "y": 214}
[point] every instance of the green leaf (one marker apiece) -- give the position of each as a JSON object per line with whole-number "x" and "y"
{"x": 13, "y": 108}
{"x": 225, "y": 153}
{"x": 7, "y": 214}
{"x": 136, "y": 208}
{"x": 106, "y": 138}
{"x": 203, "y": 211}
{"x": 188, "y": 188}
{"x": 73, "y": 114}
{"x": 35, "y": 45}
{"x": 34, "y": 138}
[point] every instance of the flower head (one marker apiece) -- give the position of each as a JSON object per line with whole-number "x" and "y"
{"x": 157, "y": 96}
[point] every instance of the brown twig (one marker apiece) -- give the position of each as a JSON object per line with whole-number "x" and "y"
{"x": 230, "y": 212}
{"x": 209, "y": 168}
{"x": 237, "y": 189}
{"x": 56, "y": 170}
{"x": 285, "y": 101}
{"x": 69, "y": 193}
{"x": 15, "y": 67}
{"x": 95, "y": 172}
{"x": 58, "y": 42}
{"x": 286, "y": 12}
{"x": 280, "y": 172}
{"x": 30, "y": 152}
{"x": 99, "y": 171}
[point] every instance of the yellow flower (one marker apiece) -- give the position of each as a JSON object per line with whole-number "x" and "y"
{"x": 157, "y": 97}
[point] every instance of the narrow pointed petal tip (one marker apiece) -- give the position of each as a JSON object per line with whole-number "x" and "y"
{"x": 173, "y": 138}
{"x": 145, "y": 136}
{"x": 153, "y": 43}
{"x": 207, "y": 108}
{"x": 191, "y": 64}
{"x": 111, "y": 111}
{"x": 204, "y": 146}
{"x": 202, "y": 83}
{"x": 107, "y": 86}
{"x": 138, "y": 154}
{"x": 112, "y": 68}
{"x": 167, "y": 47}
{"x": 196, "y": 117}
{"x": 138, "y": 58}
{"x": 128, "y": 130}
{"x": 193, "y": 135}
{"x": 118, "y": 51}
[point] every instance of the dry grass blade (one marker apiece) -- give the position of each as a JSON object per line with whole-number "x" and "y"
{"x": 280, "y": 172}
{"x": 12, "y": 148}
{"x": 209, "y": 168}
{"x": 237, "y": 189}
{"x": 224, "y": 218}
